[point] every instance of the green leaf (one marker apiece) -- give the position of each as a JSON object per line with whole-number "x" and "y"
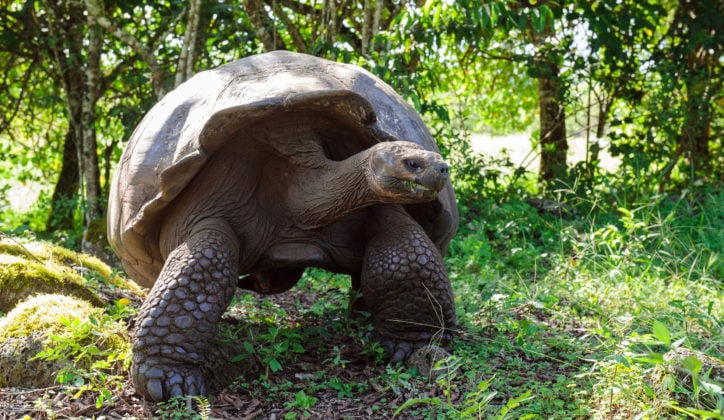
{"x": 692, "y": 364}
{"x": 515, "y": 402}
{"x": 662, "y": 333}
{"x": 653, "y": 358}
{"x": 625, "y": 212}
{"x": 435, "y": 401}
{"x": 619, "y": 358}
{"x": 274, "y": 365}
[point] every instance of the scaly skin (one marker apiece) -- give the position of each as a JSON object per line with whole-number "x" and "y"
{"x": 405, "y": 285}
{"x": 178, "y": 320}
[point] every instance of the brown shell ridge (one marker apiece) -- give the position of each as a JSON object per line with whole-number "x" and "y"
{"x": 343, "y": 105}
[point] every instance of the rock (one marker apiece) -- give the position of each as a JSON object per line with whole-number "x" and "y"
{"x": 26, "y": 331}
{"x": 41, "y": 284}
{"x": 31, "y": 268}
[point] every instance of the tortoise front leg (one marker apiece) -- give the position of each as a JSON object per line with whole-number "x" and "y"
{"x": 177, "y": 322}
{"x": 405, "y": 285}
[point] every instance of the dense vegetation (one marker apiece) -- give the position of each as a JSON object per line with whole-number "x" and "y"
{"x": 574, "y": 285}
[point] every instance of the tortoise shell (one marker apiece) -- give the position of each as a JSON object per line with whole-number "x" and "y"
{"x": 181, "y": 132}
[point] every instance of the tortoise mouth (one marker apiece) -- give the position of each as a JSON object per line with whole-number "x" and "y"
{"x": 418, "y": 187}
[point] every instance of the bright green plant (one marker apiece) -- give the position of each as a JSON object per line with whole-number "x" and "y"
{"x": 301, "y": 404}
{"x": 183, "y": 407}
{"x": 337, "y": 360}
{"x": 476, "y": 403}
{"x": 642, "y": 377}
{"x": 274, "y": 346}
{"x": 97, "y": 351}
{"x": 345, "y": 389}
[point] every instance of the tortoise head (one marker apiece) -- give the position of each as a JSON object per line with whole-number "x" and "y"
{"x": 403, "y": 172}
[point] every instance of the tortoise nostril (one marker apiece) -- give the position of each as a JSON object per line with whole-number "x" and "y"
{"x": 444, "y": 169}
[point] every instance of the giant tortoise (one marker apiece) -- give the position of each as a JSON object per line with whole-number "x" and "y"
{"x": 247, "y": 174}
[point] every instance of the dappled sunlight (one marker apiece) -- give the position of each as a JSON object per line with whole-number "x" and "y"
{"x": 522, "y": 153}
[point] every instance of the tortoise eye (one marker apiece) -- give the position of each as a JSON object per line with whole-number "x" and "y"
{"x": 412, "y": 164}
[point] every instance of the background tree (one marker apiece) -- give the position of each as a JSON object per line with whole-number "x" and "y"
{"x": 655, "y": 81}
{"x": 642, "y": 76}
{"x": 690, "y": 60}
{"x": 70, "y": 37}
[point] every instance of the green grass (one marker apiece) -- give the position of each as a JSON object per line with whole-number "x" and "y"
{"x": 565, "y": 309}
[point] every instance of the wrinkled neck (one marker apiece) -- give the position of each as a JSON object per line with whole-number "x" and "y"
{"x": 324, "y": 194}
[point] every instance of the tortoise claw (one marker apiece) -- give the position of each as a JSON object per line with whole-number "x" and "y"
{"x": 399, "y": 350}
{"x": 159, "y": 382}
{"x": 154, "y": 389}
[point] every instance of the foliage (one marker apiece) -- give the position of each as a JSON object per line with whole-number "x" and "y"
{"x": 301, "y": 402}
{"x": 475, "y": 404}
{"x": 641, "y": 66}
{"x": 98, "y": 352}
{"x": 573, "y": 312}
{"x": 180, "y": 407}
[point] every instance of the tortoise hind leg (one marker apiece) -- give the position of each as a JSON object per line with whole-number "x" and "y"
{"x": 178, "y": 320}
{"x": 405, "y": 284}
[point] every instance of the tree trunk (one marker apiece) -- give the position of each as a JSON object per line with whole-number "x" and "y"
{"x": 187, "y": 58}
{"x": 66, "y": 24}
{"x": 329, "y": 21}
{"x": 553, "y": 144}
{"x": 703, "y": 84}
{"x": 697, "y": 53}
{"x": 77, "y": 59}
{"x": 366, "y": 26}
{"x": 94, "y": 11}
{"x": 551, "y": 95}
{"x": 63, "y": 202}
{"x": 291, "y": 27}
{"x": 694, "y": 138}
{"x": 89, "y": 153}
{"x": 258, "y": 20}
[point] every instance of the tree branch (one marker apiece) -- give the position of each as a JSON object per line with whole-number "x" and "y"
{"x": 186, "y": 58}
{"x": 95, "y": 10}
{"x": 6, "y": 121}
{"x": 297, "y": 39}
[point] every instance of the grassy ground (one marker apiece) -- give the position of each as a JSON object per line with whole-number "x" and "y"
{"x": 577, "y": 311}
{"x": 572, "y": 312}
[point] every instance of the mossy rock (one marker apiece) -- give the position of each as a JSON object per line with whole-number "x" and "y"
{"x": 31, "y": 268}
{"x": 26, "y": 331}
